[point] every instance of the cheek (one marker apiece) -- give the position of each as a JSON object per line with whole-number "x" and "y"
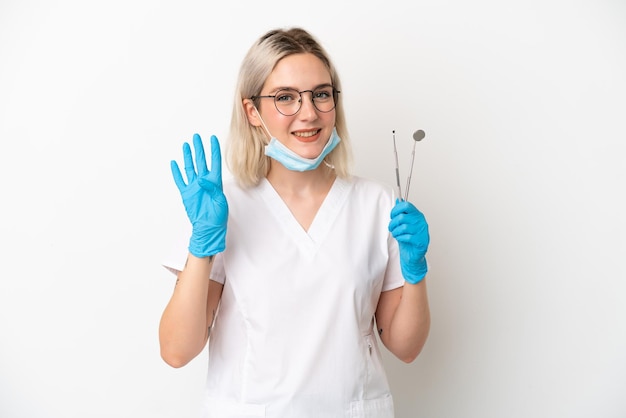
{"x": 278, "y": 123}
{"x": 329, "y": 117}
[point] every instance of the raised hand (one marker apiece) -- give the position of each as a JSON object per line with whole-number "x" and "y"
{"x": 203, "y": 197}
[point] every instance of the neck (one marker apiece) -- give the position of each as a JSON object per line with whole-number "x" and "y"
{"x": 287, "y": 181}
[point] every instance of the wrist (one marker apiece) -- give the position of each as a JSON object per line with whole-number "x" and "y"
{"x": 207, "y": 242}
{"x": 201, "y": 258}
{"x": 415, "y": 273}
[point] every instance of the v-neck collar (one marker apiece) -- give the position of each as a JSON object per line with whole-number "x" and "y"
{"x": 309, "y": 240}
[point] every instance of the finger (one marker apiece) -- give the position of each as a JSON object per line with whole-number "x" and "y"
{"x": 404, "y": 239}
{"x": 216, "y": 161}
{"x": 200, "y": 157}
{"x": 398, "y": 217}
{"x": 408, "y": 241}
{"x": 402, "y": 206}
{"x": 397, "y": 229}
{"x": 413, "y": 218}
{"x": 178, "y": 177}
{"x": 411, "y": 228}
{"x": 190, "y": 171}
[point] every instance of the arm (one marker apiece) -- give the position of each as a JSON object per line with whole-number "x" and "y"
{"x": 403, "y": 320}
{"x": 188, "y": 317}
{"x": 403, "y": 315}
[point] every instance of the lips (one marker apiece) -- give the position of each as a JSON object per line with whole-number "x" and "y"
{"x": 307, "y": 136}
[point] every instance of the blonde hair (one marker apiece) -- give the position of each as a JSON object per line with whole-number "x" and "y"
{"x": 246, "y": 157}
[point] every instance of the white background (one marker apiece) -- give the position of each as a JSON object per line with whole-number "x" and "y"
{"x": 521, "y": 176}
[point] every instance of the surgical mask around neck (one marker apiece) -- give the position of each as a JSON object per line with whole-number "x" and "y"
{"x": 292, "y": 161}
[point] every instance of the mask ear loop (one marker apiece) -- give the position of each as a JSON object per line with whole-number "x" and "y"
{"x": 267, "y": 131}
{"x": 327, "y": 164}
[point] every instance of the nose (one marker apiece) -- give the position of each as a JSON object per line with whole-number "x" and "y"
{"x": 307, "y": 107}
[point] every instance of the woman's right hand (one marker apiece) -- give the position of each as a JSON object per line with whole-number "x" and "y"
{"x": 203, "y": 197}
{"x": 409, "y": 227}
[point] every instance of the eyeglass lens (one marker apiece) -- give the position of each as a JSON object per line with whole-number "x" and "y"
{"x": 289, "y": 101}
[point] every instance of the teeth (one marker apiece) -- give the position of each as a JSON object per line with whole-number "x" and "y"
{"x": 306, "y": 134}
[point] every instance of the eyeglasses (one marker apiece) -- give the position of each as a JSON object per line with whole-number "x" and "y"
{"x": 289, "y": 101}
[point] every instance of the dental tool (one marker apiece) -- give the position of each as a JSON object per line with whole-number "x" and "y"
{"x": 417, "y": 136}
{"x": 395, "y": 151}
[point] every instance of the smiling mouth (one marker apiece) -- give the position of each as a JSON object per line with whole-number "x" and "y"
{"x": 307, "y": 134}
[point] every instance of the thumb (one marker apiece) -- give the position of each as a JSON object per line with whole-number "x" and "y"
{"x": 208, "y": 186}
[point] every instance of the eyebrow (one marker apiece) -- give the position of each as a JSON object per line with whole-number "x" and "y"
{"x": 276, "y": 89}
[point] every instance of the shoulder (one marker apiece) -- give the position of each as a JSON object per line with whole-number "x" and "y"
{"x": 241, "y": 196}
{"x": 232, "y": 187}
{"x": 372, "y": 187}
{"x": 371, "y": 193}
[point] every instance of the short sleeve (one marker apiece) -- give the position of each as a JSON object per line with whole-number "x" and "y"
{"x": 393, "y": 274}
{"x": 217, "y": 271}
{"x": 176, "y": 258}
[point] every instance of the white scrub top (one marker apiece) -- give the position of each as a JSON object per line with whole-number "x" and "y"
{"x": 294, "y": 336}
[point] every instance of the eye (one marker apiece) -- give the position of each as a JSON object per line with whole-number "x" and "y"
{"x": 287, "y": 96}
{"x": 324, "y": 93}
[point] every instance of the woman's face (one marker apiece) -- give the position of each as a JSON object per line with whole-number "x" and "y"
{"x": 307, "y": 132}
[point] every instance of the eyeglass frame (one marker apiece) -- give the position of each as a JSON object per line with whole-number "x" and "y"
{"x": 334, "y": 90}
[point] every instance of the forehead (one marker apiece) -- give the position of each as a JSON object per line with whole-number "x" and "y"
{"x": 300, "y": 71}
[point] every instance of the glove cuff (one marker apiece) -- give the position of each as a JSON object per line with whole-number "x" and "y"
{"x": 417, "y": 272}
{"x": 208, "y": 243}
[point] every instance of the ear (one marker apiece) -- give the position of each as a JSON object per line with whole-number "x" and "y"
{"x": 251, "y": 112}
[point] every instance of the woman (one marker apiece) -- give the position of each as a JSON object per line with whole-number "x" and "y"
{"x": 292, "y": 263}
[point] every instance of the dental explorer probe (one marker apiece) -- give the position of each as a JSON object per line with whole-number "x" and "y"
{"x": 395, "y": 151}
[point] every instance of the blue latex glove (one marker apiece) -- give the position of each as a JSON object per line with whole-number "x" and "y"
{"x": 204, "y": 198}
{"x": 408, "y": 226}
